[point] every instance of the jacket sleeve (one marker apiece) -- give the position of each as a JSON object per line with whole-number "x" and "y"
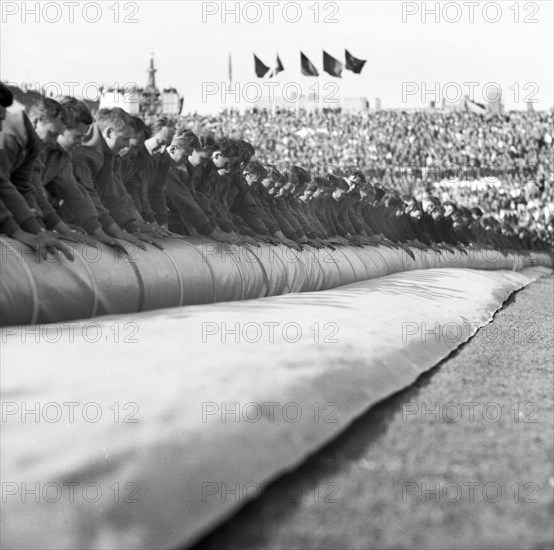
{"x": 84, "y": 169}
{"x": 265, "y": 214}
{"x": 216, "y": 191}
{"x": 155, "y": 192}
{"x": 355, "y": 217}
{"x": 248, "y": 209}
{"x": 132, "y": 182}
{"x": 7, "y": 224}
{"x": 307, "y": 210}
{"x": 77, "y": 207}
{"x": 121, "y": 205}
{"x": 24, "y": 176}
{"x": 49, "y": 215}
{"x": 13, "y": 200}
{"x": 330, "y": 218}
{"x": 333, "y": 213}
{"x": 184, "y": 204}
{"x": 286, "y": 210}
{"x": 269, "y": 219}
{"x": 309, "y": 230}
{"x": 286, "y": 228}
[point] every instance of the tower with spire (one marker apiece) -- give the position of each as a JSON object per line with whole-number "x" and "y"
{"x": 151, "y": 84}
{"x": 150, "y": 100}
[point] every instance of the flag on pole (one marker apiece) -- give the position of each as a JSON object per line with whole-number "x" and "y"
{"x": 474, "y": 107}
{"x": 307, "y": 66}
{"x": 259, "y": 67}
{"x": 353, "y": 64}
{"x": 278, "y": 67}
{"x": 331, "y": 65}
{"x": 230, "y": 69}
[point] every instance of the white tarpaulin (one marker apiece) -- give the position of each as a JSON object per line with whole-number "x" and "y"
{"x": 129, "y": 432}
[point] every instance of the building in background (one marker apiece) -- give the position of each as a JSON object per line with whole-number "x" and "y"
{"x": 147, "y": 102}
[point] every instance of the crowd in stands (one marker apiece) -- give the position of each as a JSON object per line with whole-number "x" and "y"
{"x": 297, "y": 179}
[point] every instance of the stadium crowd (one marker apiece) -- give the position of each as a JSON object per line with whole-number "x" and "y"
{"x": 318, "y": 179}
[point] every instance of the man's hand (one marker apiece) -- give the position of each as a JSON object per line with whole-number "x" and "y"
{"x": 153, "y": 229}
{"x": 220, "y": 236}
{"x": 115, "y": 231}
{"x": 31, "y": 240}
{"x": 146, "y": 238}
{"x": 109, "y": 241}
{"x": 43, "y": 243}
{"x": 73, "y": 236}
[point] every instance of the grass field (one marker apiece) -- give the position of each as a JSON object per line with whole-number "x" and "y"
{"x": 462, "y": 459}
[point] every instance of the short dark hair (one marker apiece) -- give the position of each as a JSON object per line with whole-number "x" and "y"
{"x": 47, "y": 109}
{"x": 273, "y": 174}
{"x": 290, "y": 173}
{"x": 6, "y": 96}
{"x": 76, "y": 112}
{"x": 228, "y": 148}
{"x": 336, "y": 181}
{"x": 304, "y": 177}
{"x": 246, "y": 151}
{"x": 312, "y": 187}
{"x": 140, "y": 126}
{"x": 354, "y": 172}
{"x": 393, "y": 201}
{"x": 158, "y": 125}
{"x": 257, "y": 169}
{"x": 320, "y": 182}
{"x": 380, "y": 192}
{"x": 186, "y": 138}
{"x": 207, "y": 140}
{"x": 115, "y": 118}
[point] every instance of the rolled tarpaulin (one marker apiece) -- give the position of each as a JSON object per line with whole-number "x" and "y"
{"x": 147, "y": 430}
{"x": 101, "y": 282}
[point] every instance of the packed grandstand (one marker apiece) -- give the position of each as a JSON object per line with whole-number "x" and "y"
{"x": 442, "y": 179}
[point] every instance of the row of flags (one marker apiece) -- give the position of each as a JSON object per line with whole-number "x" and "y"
{"x": 331, "y": 65}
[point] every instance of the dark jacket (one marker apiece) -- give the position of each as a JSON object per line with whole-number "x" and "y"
{"x": 93, "y": 165}
{"x": 73, "y": 202}
{"x": 248, "y": 205}
{"x": 7, "y": 224}
{"x": 183, "y": 207}
{"x": 20, "y": 191}
{"x": 135, "y": 174}
{"x": 156, "y": 175}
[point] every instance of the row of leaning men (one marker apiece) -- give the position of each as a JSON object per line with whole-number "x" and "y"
{"x": 68, "y": 178}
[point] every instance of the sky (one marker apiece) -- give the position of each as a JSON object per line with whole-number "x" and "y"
{"x": 416, "y": 52}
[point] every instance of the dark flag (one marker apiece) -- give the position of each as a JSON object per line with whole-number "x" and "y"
{"x": 331, "y": 65}
{"x": 259, "y": 67}
{"x": 474, "y": 107}
{"x": 278, "y": 67}
{"x": 353, "y": 64}
{"x": 308, "y": 68}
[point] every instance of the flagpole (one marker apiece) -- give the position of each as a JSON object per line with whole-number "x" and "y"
{"x": 230, "y": 69}
{"x": 341, "y": 84}
{"x": 299, "y": 68}
{"x": 274, "y": 76}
